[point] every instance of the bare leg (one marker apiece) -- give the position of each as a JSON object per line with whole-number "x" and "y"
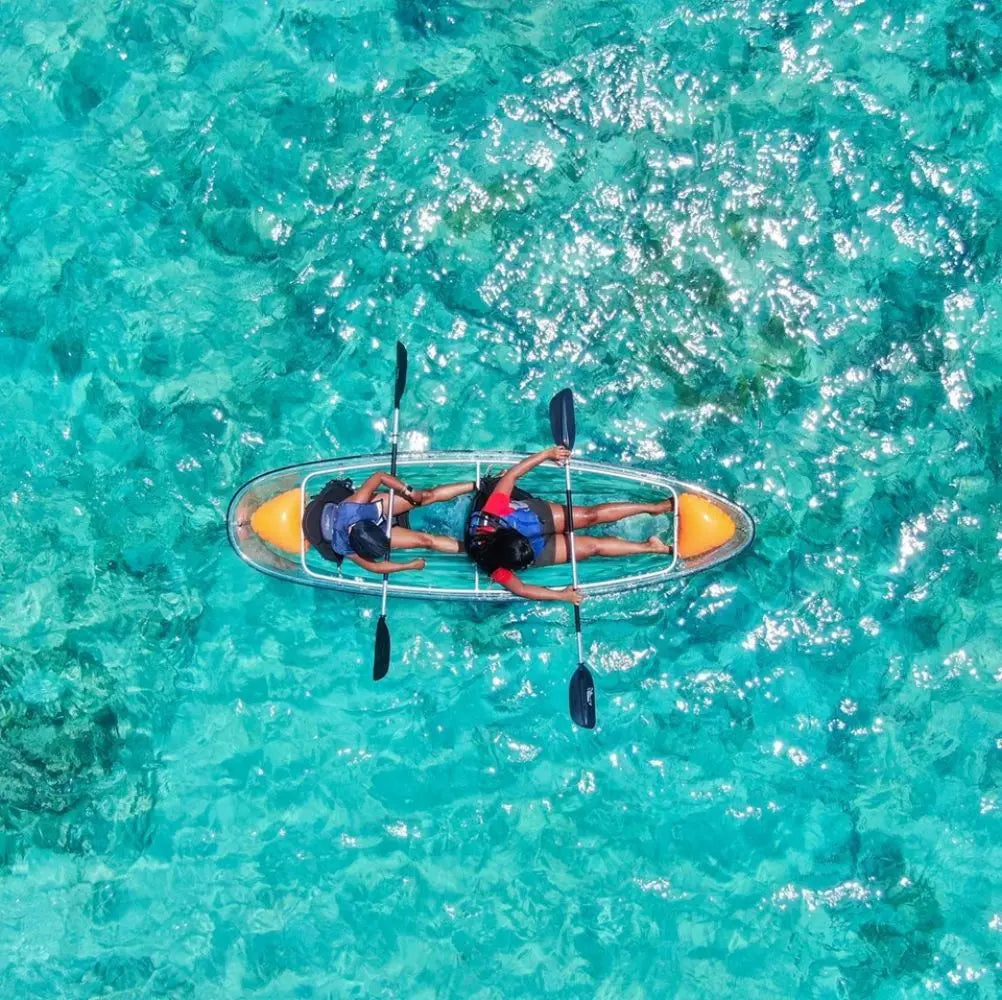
{"x": 606, "y": 513}
{"x": 404, "y": 538}
{"x": 436, "y": 494}
{"x": 448, "y": 491}
{"x": 586, "y": 546}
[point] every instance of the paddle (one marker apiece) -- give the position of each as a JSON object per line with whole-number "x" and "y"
{"x": 381, "y": 656}
{"x": 582, "y": 688}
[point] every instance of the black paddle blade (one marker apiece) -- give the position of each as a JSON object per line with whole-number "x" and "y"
{"x": 583, "y": 698}
{"x": 381, "y": 658}
{"x": 398, "y": 390}
{"x": 562, "y": 418}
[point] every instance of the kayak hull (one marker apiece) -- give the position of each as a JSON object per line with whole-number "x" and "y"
{"x": 265, "y": 515}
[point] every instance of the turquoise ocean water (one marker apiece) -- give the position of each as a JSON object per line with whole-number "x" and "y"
{"x": 761, "y": 241}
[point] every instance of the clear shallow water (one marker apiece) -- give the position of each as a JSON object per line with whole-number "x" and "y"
{"x": 759, "y": 239}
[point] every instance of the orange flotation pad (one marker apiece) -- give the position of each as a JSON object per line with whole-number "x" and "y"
{"x": 279, "y": 522}
{"x": 702, "y": 526}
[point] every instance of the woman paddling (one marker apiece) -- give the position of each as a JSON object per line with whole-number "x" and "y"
{"x": 341, "y": 523}
{"x": 513, "y": 531}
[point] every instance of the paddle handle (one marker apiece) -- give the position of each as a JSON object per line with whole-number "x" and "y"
{"x": 394, "y": 438}
{"x": 569, "y": 525}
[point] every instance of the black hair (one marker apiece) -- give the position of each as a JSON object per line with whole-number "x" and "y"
{"x": 504, "y": 548}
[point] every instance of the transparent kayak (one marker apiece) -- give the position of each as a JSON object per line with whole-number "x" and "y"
{"x": 706, "y": 530}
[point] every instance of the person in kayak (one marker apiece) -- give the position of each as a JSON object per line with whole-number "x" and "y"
{"x": 343, "y": 522}
{"x": 513, "y": 531}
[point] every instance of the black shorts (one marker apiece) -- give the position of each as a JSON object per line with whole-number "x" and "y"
{"x": 542, "y": 510}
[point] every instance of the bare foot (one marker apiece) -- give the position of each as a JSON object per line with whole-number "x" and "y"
{"x": 654, "y": 544}
{"x": 664, "y": 507}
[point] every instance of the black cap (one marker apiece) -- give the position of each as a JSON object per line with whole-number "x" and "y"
{"x": 311, "y": 520}
{"x": 311, "y": 528}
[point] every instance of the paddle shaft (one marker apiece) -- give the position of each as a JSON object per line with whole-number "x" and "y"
{"x": 569, "y": 517}
{"x": 394, "y": 437}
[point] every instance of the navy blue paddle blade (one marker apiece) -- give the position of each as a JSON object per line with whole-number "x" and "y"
{"x": 401, "y": 374}
{"x": 381, "y": 658}
{"x": 562, "y": 418}
{"x": 583, "y": 698}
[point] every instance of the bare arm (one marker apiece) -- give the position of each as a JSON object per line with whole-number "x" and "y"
{"x": 534, "y": 593}
{"x": 507, "y": 482}
{"x": 386, "y": 566}
{"x": 364, "y": 493}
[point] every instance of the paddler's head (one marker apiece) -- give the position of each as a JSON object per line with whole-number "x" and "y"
{"x": 369, "y": 541}
{"x": 504, "y": 548}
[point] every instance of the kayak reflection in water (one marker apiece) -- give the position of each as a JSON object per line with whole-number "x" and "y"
{"x": 513, "y": 530}
{"x": 341, "y": 523}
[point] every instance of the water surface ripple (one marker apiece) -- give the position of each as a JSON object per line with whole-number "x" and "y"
{"x": 760, "y": 239}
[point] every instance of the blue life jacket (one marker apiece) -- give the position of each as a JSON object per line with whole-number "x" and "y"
{"x": 522, "y": 519}
{"x": 336, "y": 521}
